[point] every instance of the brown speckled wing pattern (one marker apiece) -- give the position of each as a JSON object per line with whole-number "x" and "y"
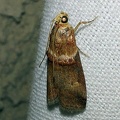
{"x": 67, "y": 87}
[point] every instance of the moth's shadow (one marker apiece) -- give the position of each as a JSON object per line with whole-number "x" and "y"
{"x": 64, "y": 112}
{"x": 52, "y": 107}
{"x": 69, "y": 113}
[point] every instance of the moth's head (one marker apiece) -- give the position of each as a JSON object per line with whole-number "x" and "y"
{"x": 62, "y": 17}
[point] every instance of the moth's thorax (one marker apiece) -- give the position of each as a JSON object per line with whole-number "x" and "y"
{"x": 62, "y": 48}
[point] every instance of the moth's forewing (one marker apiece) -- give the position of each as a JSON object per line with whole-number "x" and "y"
{"x": 52, "y": 89}
{"x": 72, "y": 96}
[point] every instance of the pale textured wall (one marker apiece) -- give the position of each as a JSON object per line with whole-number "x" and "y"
{"x": 101, "y": 41}
{"x": 19, "y": 32}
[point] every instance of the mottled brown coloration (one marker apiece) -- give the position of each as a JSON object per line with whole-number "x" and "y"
{"x": 68, "y": 85}
{"x": 65, "y": 79}
{"x": 64, "y": 49}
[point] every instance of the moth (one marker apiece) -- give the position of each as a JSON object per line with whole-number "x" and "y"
{"x": 65, "y": 77}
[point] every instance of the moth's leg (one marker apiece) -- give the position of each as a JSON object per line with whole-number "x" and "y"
{"x": 83, "y": 53}
{"x": 83, "y": 22}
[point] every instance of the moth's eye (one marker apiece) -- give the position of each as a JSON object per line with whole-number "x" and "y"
{"x": 64, "y": 19}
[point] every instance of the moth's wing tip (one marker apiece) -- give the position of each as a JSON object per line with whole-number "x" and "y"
{"x": 52, "y": 102}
